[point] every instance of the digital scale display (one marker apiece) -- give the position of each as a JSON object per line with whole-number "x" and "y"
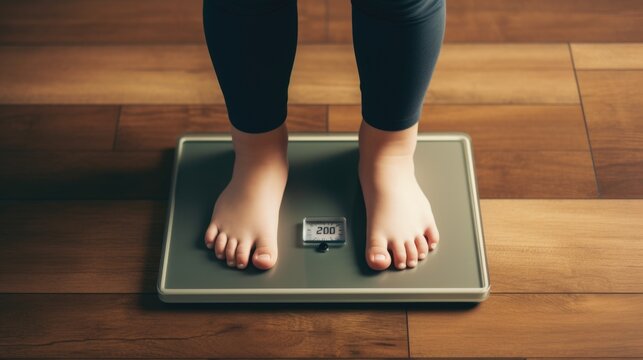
{"x": 324, "y": 229}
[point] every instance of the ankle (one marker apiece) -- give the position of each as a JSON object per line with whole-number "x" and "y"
{"x": 375, "y": 143}
{"x": 269, "y": 147}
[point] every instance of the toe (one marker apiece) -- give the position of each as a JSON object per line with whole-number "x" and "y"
{"x": 231, "y": 251}
{"x": 265, "y": 255}
{"x": 377, "y": 256}
{"x": 210, "y": 234}
{"x": 220, "y": 244}
{"x": 422, "y": 246}
{"x": 433, "y": 236}
{"x": 243, "y": 253}
{"x": 411, "y": 254}
{"x": 399, "y": 253}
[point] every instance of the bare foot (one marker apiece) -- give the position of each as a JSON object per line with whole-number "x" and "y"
{"x": 398, "y": 213}
{"x": 246, "y": 214}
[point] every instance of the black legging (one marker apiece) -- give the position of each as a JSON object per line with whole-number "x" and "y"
{"x": 252, "y": 45}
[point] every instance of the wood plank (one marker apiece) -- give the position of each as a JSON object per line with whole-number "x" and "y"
{"x": 502, "y": 87}
{"x": 107, "y": 75}
{"x": 519, "y": 57}
{"x": 100, "y": 21}
{"x": 625, "y": 56}
{"x": 523, "y": 21}
{"x": 58, "y": 127}
{"x": 544, "y": 20}
{"x": 612, "y": 103}
{"x": 535, "y": 174}
{"x": 504, "y": 74}
{"x": 312, "y": 21}
{"x": 75, "y": 22}
{"x": 533, "y": 246}
{"x": 80, "y": 246}
{"x": 340, "y": 24}
{"x": 158, "y": 127}
{"x": 486, "y": 74}
{"x": 544, "y": 246}
{"x": 532, "y": 325}
{"x": 85, "y": 175}
{"x": 619, "y": 173}
{"x": 322, "y": 74}
{"x": 179, "y": 21}
{"x": 116, "y": 326}
{"x": 491, "y": 127}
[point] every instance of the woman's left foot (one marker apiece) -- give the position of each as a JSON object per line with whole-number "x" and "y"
{"x": 398, "y": 213}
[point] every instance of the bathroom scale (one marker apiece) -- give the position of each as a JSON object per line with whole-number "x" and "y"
{"x": 322, "y": 227}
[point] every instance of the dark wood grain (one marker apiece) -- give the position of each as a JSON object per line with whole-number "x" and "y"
{"x": 523, "y": 21}
{"x": 30, "y": 22}
{"x": 58, "y": 127}
{"x": 612, "y": 103}
{"x": 158, "y": 127}
{"x": 620, "y": 173}
{"x": 135, "y": 326}
{"x": 534, "y": 326}
{"x": 80, "y": 246}
{"x": 545, "y": 246}
{"x": 100, "y": 21}
{"x": 179, "y": 21}
{"x": 85, "y": 175}
{"x": 535, "y": 174}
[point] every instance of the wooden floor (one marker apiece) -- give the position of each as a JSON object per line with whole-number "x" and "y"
{"x": 93, "y": 94}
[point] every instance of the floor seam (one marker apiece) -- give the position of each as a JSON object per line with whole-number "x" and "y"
{"x": 582, "y": 109}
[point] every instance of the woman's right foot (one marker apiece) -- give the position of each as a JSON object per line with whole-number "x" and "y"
{"x": 246, "y": 214}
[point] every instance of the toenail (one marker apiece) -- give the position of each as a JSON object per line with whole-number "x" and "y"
{"x": 219, "y": 256}
{"x": 379, "y": 257}
{"x": 241, "y": 266}
{"x": 263, "y": 257}
{"x": 230, "y": 263}
{"x": 434, "y": 245}
{"x": 412, "y": 263}
{"x": 421, "y": 255}
{"x": 209, "y": 245}
{"x": 401, "y": 265}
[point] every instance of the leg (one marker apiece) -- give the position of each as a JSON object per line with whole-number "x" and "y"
{"x": 396, "y": 43}
{"x": 252, "y": 46}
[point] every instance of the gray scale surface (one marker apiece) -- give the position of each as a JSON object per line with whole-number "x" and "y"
{"x": 323, "y": 181}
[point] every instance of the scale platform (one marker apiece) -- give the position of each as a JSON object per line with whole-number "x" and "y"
{"x": 323, "y": 182}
